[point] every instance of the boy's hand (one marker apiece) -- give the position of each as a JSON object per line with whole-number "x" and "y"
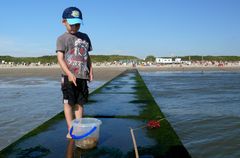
{"x": 90, "y": 77}
{"x": 72, "y": 78}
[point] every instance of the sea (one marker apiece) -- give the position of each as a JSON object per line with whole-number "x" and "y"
{"x": 27, "y": 102}
{"x": 202, "y": 107}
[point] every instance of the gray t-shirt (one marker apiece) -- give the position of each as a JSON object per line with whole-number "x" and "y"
{"x": 75, "y": 48}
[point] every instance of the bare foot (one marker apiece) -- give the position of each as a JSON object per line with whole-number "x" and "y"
{"x": 68, "y": 136}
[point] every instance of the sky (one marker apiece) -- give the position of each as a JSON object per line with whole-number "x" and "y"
{"x": 161, "y": 28}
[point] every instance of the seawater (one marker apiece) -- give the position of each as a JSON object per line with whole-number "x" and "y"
{"x": 202, "y": 107}
{"x": 26, "y": 103}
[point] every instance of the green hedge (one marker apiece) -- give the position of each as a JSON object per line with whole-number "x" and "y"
{"x": 53, "y": 58}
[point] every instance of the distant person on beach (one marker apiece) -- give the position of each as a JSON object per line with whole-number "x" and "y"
{"x": 73, "y": 57}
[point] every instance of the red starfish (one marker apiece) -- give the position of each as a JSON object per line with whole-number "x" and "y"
{"x": 153, "y": 124}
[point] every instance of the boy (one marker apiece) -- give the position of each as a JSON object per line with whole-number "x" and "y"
{"x": 72, "y": 54}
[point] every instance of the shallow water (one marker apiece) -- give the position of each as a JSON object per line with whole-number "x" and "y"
{"x": 25, "y": 103}
{"x": 203, "y": 108}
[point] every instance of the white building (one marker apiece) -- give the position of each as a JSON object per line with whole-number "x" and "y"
{"x": 177, "y": 60}
{"x": 164, "y": 60}
{"x": 168, "y": 61}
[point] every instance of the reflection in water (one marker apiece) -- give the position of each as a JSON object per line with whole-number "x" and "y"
{"x": 73, "y": 151}
{"x": 70, "y": 149}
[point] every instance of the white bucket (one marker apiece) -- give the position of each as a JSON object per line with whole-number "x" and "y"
{"x": 85, "y": 132}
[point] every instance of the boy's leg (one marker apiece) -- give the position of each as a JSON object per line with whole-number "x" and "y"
{"x": 78, "y": 111}
{"x": 68, "y": 115}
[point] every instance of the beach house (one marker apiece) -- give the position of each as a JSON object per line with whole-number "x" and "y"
{"x": 161, "y": 60}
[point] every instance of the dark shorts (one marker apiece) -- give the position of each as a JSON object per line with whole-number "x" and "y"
{"x": 72, "y": 94}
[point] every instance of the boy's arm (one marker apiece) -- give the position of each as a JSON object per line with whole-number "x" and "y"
{"x": 91, "y": 70}
{"x": 89, "y": 60}
{"x": 63, "y": 65}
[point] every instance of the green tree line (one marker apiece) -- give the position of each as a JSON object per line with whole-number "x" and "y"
{"x": 42, "y": 59}
{"x": 53, "y": 58}
{"x": 211, "y": 58}
{"x": 111, "y": 58}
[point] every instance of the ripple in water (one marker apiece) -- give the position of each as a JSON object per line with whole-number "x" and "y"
{"x": 203, "y": 108}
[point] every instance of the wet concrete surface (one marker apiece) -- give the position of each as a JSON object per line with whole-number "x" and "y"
{"x": 113, "y": 105}
{"x": 124, "y": 84}
{"x": 115, "y": 138}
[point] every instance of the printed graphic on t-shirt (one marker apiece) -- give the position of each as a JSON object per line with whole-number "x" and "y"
{"x": 77, "y": 58}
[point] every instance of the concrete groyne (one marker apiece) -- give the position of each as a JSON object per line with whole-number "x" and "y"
{"x": 122, "y": 103}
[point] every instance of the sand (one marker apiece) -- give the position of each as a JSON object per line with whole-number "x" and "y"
{"x": 100, "y": 73}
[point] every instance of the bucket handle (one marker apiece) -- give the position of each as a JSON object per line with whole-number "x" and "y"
{"x": 82, "y": 136}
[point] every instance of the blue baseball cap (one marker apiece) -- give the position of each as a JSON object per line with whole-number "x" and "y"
{"x": 73, "y": 15}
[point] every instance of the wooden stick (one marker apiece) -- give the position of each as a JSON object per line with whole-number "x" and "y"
{"x": 134, "y": 143}
{"x": 133, "y": 137}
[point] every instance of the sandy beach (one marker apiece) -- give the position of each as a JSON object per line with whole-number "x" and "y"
{"x": 102, "y": 73}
